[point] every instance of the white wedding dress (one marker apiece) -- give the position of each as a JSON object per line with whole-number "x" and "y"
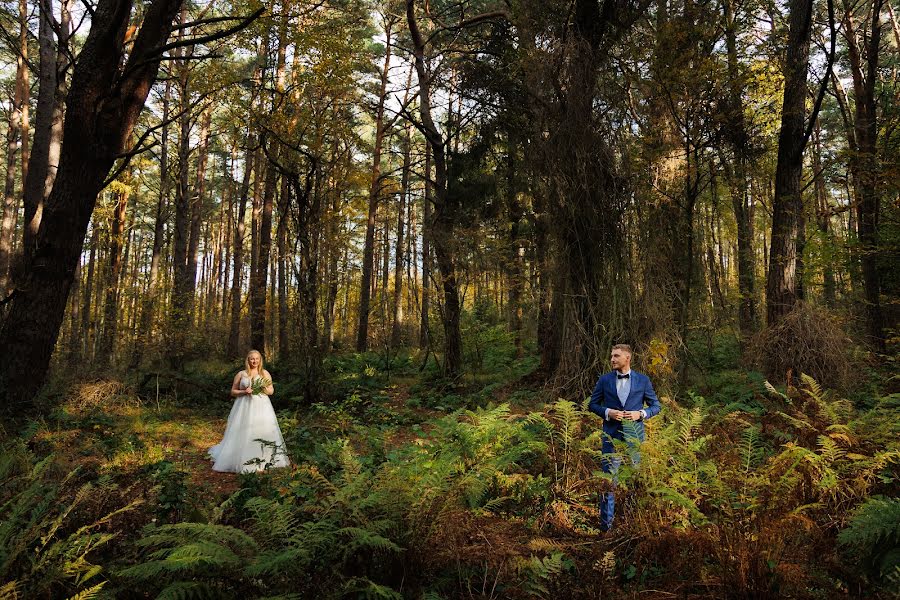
{"x": 252, "y": 418}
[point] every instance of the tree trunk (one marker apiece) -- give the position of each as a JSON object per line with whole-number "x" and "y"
{"x": 234, "y": 334}
{"x": 48, "y": 128}
{"x": 396, "y": 331}
{"x": 424, "y": 326}
{"x": 787, "y": 205}
{"x": 259, "y": 278}
{"x": 368, "y": 266}
{"x": 86, "y": 329}
{"x": 443, "y": 220}
{"x": 741, "y": 199}
{"x": 591, "y": 294}
{"x": 182, "y": 286}
{"x": 16, "y": 140}
{"x": 102, "y": 107}
{"x": 515, "y": 259}
{"x": 152, "y": 296}
{"x": 823, "y": 221}
{"x": 283, "y": 206}
{"x": 197, "y": 208}
{"x": 106, "y": 348}
{"x": 864, "y": 166}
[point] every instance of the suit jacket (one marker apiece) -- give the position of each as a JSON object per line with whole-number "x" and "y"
{"x": 605, "y": 396}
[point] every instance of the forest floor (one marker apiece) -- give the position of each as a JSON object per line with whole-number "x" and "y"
{"x": 529, "y": 527}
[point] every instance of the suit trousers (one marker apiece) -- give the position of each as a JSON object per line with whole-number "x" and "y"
{"x": 610, "y": 463}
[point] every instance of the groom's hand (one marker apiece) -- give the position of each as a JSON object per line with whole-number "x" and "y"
{"x": 631, "y": 415}
{"x": 616, "y": 415}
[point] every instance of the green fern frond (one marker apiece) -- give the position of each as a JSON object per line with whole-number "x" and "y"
{"x": 751, "y": 448}
{"x": 874, "y": 535}
{"x": 88, "y": 594}
{"x": 494, "y": 504}
{"x": 358, "y": 537}
{"x": 875, "y": 522}
{"x": 286, "y": 561}
{"x": 813, "y": 388}
{"x": 188, "y": 590}
{"x": 367, "y": 588}
{"x": 829, "y": 449}
{"x": 679, "y": 499}
{"x": 179, "y": 533}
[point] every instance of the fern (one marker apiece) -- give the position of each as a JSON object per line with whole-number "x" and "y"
{"x": 90, "y": 593}
{"x": 187, "y": 558}
{"x": 35, "y": 511}
{"x": 537, "y": 573}
{"x": 874, "y": 535}
{"x": 188, "y": 590}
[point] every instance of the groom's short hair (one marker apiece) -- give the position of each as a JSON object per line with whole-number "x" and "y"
{"x": 624, "y": 348}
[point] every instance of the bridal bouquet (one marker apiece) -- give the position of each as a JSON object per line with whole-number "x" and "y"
{"x": 259, "y": 385}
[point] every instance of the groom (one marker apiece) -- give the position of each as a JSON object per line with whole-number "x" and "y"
{"x": 619, "y": 398}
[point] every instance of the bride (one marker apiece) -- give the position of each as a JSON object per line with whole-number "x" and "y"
{"x": 252, "y": 440}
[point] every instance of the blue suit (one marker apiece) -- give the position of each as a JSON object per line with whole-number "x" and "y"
{"x": 606, "y": 396}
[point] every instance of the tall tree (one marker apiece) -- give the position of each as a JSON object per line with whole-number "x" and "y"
{"x": 16, "y": 144}
{"x": 110, "y": 83}
{"x": 375, "y": 184}
{"x": 864, "y": 60}
{"x": 787, "y": 204}
{"x": 741, "y": 199}
{"x": 442, "y": 223}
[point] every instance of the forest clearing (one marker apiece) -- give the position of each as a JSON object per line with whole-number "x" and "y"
{"x": 440, "y": 299}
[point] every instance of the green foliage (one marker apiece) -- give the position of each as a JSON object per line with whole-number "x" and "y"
{"x": 171, "y": 491}
{"x": 538, "y": 574}
{"x": 44, "y": 545}
{"x": 192, "y": 560}
{"x": 873, "y": 537}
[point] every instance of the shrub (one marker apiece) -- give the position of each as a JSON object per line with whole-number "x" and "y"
{"x": 809, "y": 340}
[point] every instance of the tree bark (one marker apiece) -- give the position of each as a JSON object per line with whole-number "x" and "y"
{"x": 281, "y": 236}
{"x": 424, "y": 326}
{"x": 181, "y": 282}
{"x": 197, "y": 211}
{"x": 106, "y": 348}
{"x": 86, "y": 321}
{"x": 152, "y": 296}
{"x": 515, "y": 260}
{"x": 864, "y": 165}
{"x": 101, "y": 109}
{"x": 234, "y": 334}
{"x": 396, "y": 330}
{"x": 741, "y": 199}
{"x": 781, "y": 283}
{"x": 43, "y": 162}
{"x": 443, "y": 220}
{"x": 368, "y": 267}
{"x": 16, "y": 142}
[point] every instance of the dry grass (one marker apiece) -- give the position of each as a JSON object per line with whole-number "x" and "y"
{"x": 108, "y": 395}
{"x": 808, "y": 340}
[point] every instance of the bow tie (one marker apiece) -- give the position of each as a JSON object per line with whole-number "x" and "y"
{"x": 625, "y": 376}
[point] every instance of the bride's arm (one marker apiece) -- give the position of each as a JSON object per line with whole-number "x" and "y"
{"x": 236, "y": 387}
{"x": 271, "y": 388}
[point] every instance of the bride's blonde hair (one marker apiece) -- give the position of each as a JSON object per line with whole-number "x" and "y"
{"x": 247, "y": 362}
